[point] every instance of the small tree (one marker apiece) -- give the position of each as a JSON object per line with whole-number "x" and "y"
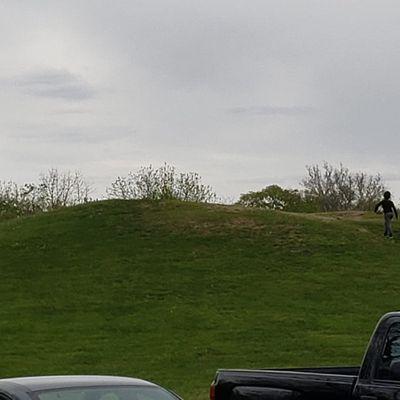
{"x": 369, "y": 190}
{"x": 160, "y": 184}
{"x": 60, "y": 189}
{"x": 337, "y": 188}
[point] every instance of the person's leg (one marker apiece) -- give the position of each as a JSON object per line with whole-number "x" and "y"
{"x": 385, "y": 224}
{"x": 388, "y": 224}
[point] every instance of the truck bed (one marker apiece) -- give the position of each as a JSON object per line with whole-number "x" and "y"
{"x": 326, "y": 383}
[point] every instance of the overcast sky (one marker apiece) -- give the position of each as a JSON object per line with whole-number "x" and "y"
{"x": 246, "y": 93}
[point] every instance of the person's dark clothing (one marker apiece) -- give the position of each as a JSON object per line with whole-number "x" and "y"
{"x": 389, "y": 210}
{"x": 388, "y": 206}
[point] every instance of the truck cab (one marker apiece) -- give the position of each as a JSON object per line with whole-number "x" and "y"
{"x": 379, "y": 376}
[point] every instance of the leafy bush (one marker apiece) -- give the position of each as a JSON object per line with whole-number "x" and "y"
{"x": 274, "y": 197}
{"x": 160, "y": 184}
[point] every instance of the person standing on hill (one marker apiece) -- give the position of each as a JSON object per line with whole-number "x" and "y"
{"x": 389, "y": 210}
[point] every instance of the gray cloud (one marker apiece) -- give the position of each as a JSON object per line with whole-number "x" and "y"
{"x": 56, "y": 84}
{"x": 272, "y": 110}
{"x": 75, "y": 135}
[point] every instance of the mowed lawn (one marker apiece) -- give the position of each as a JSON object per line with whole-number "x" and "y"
{"x": 170, "y": 292}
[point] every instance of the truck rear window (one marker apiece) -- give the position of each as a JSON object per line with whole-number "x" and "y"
{"x": 391, "y": 351}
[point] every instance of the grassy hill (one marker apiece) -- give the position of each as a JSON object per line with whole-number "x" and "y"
{"x": 170, "y": 292}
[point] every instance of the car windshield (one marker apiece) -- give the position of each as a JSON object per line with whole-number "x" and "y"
{"x": 106, "y": 393}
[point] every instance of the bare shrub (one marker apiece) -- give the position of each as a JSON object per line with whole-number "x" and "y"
{"x": 18, "y": 200}
{"x": 55, "y": 189}
{"x": 60, "y": 189}
{"x": 160, "y": 184}
{"x": 337, "y": 188}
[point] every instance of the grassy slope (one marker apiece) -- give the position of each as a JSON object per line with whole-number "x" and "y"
{"x": 170, "y": 292}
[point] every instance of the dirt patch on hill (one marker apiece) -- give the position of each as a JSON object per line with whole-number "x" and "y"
{"x": 339, "y": 215}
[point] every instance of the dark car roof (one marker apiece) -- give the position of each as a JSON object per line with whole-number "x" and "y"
{"x": 64, "y": 381}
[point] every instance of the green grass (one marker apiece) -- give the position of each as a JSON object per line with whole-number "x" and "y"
{"x": 170, "y": 292}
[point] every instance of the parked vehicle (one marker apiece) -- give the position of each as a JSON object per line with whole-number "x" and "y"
{"x": 81, "y": 388}
{"x": 378, "y": 378}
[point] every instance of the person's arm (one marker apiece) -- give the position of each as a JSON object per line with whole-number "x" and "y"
{"x": 377, "y": 206}
{"x": 395, "y": 210}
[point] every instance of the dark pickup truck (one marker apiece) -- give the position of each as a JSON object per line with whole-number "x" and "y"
{"x": 378, "y": 378}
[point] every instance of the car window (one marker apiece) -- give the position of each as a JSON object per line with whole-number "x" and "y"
{"x": 63, "y": 395}
{"x": 107, "y": 393}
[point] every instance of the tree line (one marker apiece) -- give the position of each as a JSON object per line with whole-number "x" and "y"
{"x": 324, "y": 188}
{"x": 56, "y": 189}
